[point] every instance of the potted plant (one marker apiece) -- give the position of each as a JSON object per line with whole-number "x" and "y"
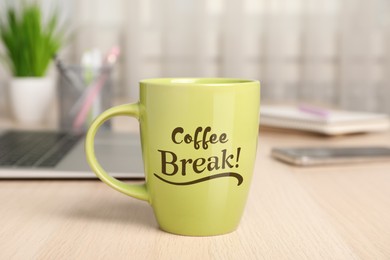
{"x": 30, "y": 44}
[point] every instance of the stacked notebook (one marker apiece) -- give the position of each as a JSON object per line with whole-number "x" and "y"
{"x": 327, "y": 122}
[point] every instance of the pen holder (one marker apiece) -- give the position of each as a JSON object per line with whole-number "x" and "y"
{"x": 83, "y": 94}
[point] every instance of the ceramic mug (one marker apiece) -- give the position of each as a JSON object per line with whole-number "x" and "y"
{"x": 199, "y": 140}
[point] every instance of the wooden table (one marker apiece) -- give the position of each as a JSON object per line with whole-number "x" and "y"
{"x": 335, "y": 212}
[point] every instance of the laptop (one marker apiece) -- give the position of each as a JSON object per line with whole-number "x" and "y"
{"x": 60, "y": 155}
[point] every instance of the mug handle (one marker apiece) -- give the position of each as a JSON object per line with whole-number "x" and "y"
{"x": 138, "y": 191}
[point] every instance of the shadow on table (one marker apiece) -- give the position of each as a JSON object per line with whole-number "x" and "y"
{"x": 124, "y": 211}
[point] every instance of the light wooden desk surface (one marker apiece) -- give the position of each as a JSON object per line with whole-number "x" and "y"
{"x": 337, "y": 212}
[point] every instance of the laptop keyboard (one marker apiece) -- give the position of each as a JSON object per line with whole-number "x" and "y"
{"x": 35, "y": 149}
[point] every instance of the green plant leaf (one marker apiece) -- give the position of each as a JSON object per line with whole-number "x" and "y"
{"x": 29, "y": 43}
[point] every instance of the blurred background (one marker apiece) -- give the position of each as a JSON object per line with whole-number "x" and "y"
{"x": 334, "y": 52}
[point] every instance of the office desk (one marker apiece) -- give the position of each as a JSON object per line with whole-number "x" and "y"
{"x": 336, "y": 212}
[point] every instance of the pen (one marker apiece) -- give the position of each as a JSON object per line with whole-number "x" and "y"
{"x": 70, "y": 77}
{"x": 317, "y": 111}
{"x": 94, "y": 89}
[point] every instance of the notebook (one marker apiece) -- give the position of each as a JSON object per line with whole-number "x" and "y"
{"x": 60, "y": 155}
{"x": 327, "y": 122}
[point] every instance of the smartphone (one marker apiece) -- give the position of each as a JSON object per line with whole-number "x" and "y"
{"x": 308, "y": 156}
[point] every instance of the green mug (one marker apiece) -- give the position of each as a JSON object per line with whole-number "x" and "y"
{"x": 199, "y": 140}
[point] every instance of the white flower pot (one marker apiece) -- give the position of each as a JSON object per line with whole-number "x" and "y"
{"x": 31, "y": 98}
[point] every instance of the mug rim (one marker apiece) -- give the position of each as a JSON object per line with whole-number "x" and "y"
{"x": 218, "y": 81}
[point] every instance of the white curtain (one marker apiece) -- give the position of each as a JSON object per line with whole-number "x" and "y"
{"x": 328, "y": 52}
